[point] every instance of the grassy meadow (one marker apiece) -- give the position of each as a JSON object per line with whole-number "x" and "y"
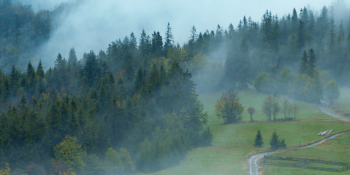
{"x": 232, "y": 143}
{"x": 337, "y": 150}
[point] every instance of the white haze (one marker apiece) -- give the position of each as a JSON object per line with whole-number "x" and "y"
{"x": 95, "y": 24}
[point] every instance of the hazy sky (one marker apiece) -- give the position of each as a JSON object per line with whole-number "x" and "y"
{"x": 94, "y": 24}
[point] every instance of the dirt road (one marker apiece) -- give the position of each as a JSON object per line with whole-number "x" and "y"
{"x": 253, "y": 160}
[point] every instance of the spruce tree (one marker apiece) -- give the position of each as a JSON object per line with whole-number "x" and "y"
{"x": 294, "y": 20}
{"x": 258, "y": 140}
{"x": 331, "y": 38}
{"x": 275, "y": 144}
{"x": 304, "y": 63}
{"x": 169, "y": 40}
{"x": 283, "y": 144}
{"x": 40, "y": 70}
{"x": 304, "y": 16}
{"x": 139, "y": 81}
{"x": 30, "y": 71}
{"x": 72, "y": 59}
{"x": 341, "y": 34}
{"x": 311, "y": 64}
{"x": 300, "y": 35}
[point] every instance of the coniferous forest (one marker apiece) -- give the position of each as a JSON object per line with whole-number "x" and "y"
{"x": 134, "y": 107}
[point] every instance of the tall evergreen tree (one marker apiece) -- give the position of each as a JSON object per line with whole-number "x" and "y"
{"x": 274, "y": 143}
{"x": 72, "y": 59}
{"x": 145, "y": 43}
{"x": 311, "y": 64}
{"x": 331, "y": 38}
{"x": 40, "y": 70}
{"x": 341, "y": 35}
{"x": 294, "y": 20}
{"x": 258, "y": 142}
{"x": 300, "y": 35}
{"x": 30, "y": 71}
{"x": 304, "y": 63}
{"x": 169, "y": 40}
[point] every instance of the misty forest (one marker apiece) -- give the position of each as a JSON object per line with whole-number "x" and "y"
{"x": 151, "y": 105}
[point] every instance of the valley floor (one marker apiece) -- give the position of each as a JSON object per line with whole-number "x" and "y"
{"x": 234, "y": 142}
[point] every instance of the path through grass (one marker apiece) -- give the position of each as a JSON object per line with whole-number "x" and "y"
{"x": 232, "y": 143}
{"x": 334, "y": 150}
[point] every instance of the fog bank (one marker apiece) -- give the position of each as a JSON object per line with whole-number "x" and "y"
{"x": 92, "y": 25}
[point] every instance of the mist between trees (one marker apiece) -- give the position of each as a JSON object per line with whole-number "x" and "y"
{"x": 134, "y": 107}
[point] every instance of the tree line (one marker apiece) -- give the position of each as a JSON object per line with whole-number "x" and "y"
{"x": 97, "y": 107}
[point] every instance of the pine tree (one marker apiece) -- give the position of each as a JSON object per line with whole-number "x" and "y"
{"x": 30, "y": 71}
{"x": 231, "y": 31}
{"x": 258, "y": 140}
{"x": 294, "y": 20}
{"x": 311, "y": 64}
{"x": 139, "y": 81}
{"x": 157, "y": 44}
{"x": 275, "y": 144}
{"x": 169, "y": 40}
{"x": 331, "y": 38}
{"x": 40, "y": 70}
{"x": 341, "y": 35}
{"x": 192, "y": 42}
{"x": 72, "y": 59}
{"x": 304, "y": 16}
{"x": 304, "y": 64}
{"x": 59, "y": 61}
{"x": 22, "y": 102}
{"x": 300, "y": 35}
{"x": 132, "y": 42}
{"x": 145, "y": 43}
{"x": 283, "y": 144}
{"x": 194, "y": 34}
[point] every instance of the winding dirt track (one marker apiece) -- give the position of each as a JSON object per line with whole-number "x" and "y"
{"x": 253, "y": 160}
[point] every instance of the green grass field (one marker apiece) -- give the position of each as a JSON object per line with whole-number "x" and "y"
{"x": 337, "y": 149}
{"x": 253, "y": 99}
{"x": 232, "y": 143}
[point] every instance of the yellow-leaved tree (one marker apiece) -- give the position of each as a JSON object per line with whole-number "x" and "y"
{"x": 228, "y": 107}
{"x": 70, "y": 152}
{"x": 6, "y": 171}
{"x": 192, "y": 64}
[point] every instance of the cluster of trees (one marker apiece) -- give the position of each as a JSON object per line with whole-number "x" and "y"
{"x": 22, "y": 31}
{"x": 275, "y": 142}
{"x": 309, "y": 85}
{"x": 127, "y": 97}
{"x": 229, "y": 108}
{"x": 140, "y": 96}
{"x": 269, "y": 52}
{"x": 271, "y": 108}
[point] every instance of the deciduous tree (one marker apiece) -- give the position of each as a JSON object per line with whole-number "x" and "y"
{"x": 251, "y": 111}
{"x": 228, "y": 107}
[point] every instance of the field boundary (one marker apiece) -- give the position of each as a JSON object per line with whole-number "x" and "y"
{"x": 303, "y": 163}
